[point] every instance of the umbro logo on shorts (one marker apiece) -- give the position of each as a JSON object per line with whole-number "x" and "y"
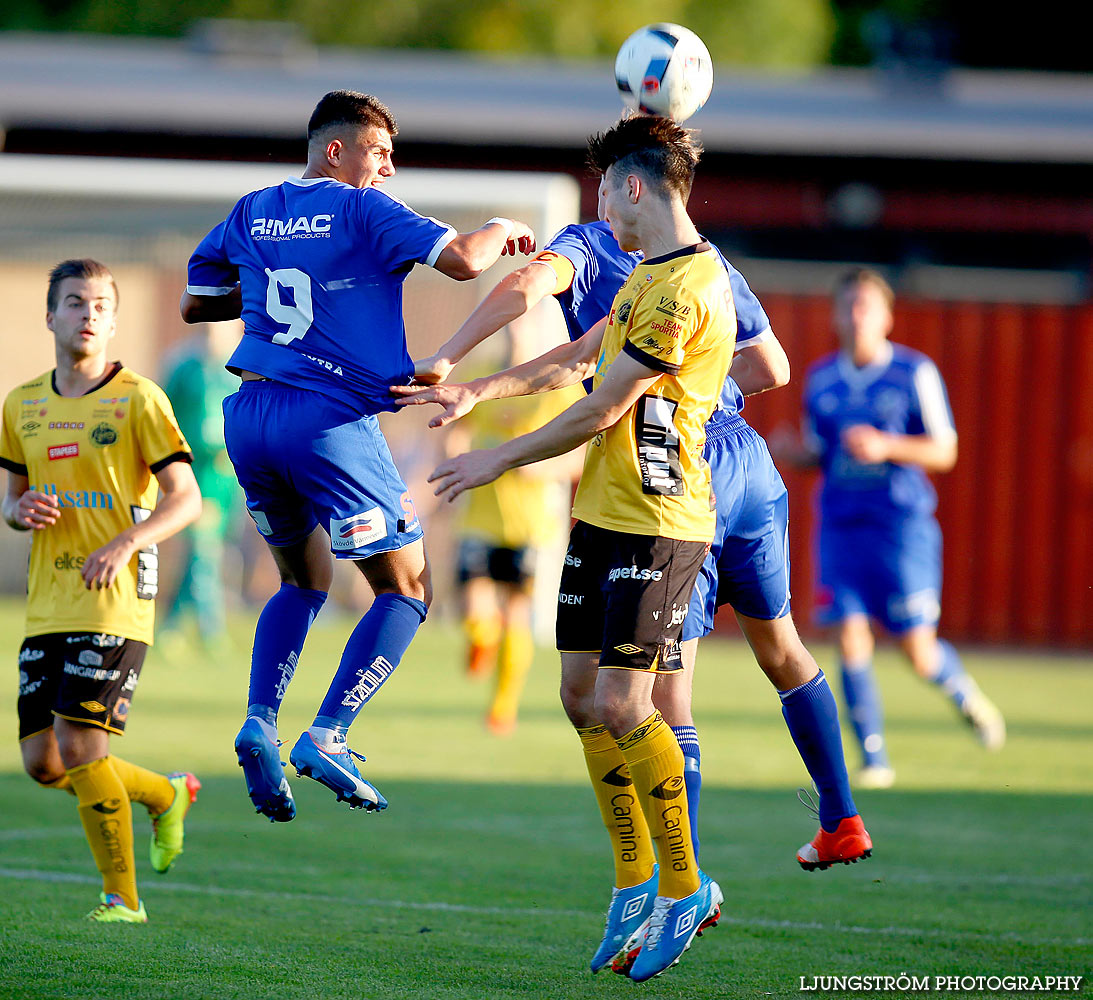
{"x": 629, "y": 648}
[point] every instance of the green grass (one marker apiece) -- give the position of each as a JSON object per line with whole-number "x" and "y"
{"x": 487, "y": 876}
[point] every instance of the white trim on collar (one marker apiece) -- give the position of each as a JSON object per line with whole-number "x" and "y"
{"x": 309, "y": 181}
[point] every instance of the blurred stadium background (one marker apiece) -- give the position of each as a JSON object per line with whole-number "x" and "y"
{"x": 967, "y": 187}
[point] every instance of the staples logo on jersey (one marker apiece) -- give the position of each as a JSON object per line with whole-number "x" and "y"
{"x": 301, "y": 227}
{"x": 57, "y": 451}
{"x": 357, "y": 531}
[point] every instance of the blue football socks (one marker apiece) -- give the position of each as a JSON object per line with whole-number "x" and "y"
{"x": 866, "y": 714}
{"x": 692, "y": 775}
{"x": 950, "y": 676}
{"x": 371, "y": 655}
{"x": 278, "y": 639}
{"x": 813, "y": 720}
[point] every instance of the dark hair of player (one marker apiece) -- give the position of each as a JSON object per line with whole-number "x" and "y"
{"x": 663, "y": 152}
{"x": 865, "y": 276}
{"x": 83, "y": 267}
{"x": 341, "y": 108}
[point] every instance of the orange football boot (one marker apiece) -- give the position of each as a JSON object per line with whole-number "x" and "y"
{"x": 848, "y": 844}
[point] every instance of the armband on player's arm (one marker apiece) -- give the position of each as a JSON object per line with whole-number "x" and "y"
{"x": 564, "y": 271}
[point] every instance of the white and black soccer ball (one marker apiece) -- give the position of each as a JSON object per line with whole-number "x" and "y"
{"x": 664, "y": 69}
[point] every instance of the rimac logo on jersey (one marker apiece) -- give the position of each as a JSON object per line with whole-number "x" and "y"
{"x": 357, "y": 531}
{"x": 300, "y": 227}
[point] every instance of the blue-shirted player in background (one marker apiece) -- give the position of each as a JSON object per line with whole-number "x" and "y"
{"x": 877, "y": 419}
{"x": 315, "y": 267}
{"x": 749, "y": 561}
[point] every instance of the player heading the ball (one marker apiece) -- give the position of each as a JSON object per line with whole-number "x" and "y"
{"x": 315, "y": 267}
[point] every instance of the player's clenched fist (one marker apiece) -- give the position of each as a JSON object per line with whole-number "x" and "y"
{"x": 521, "y": 240}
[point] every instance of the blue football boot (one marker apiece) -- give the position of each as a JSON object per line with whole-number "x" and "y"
{"x": 267, "y": 785}
{"x": 336, "y": 770}
{"x": 629, "y": 909}
{"x": 672, "y": 927}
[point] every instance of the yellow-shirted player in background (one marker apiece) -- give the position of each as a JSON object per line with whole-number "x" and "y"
{"x": 502, "y": 528}
{"x": 87, "y": 447}
{"x": 645, "y": 518}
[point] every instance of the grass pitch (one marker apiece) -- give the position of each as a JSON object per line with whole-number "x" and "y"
{"x": 488, "y": 875}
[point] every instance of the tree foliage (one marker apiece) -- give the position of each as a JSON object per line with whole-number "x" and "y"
{"x": 774, "y": 33}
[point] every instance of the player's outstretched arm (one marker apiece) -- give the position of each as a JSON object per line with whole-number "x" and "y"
{"x": 563, "y": 365}
{"x": 211, "y": 308}
{"x": 179, "y": 504}
{"x": 788, "y": 445}
{"x": 596, "y": 412}
{"x": 760, "y": 367}
{"x": 26, "y": 509}
{"x": 469, "y": 254}
{"x": 510, "y": 298}
{"x": 871, "y": 446}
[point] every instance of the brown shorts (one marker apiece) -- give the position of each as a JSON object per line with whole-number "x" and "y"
{"x": 626, "y": 596}
{"x": 86, "y": 677}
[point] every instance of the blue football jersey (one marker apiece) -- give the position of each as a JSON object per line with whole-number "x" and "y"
{"x": 601, "y": 267}
{"x": 321, "y": 267}
{"x": 900, "y": 393}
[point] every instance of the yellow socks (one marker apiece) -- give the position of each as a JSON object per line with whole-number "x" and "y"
{"x": 146, "y": 787}
{"x": 62, "y": 784}
{"x": 107, "y": 821}
{"x": 619, "y": 807}
{"x": 514, "y": 657}
{"x": 652, "y": 753}
{"x": 483, "y": 636}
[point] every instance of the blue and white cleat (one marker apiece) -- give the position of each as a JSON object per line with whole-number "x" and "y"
{"x": 336, "y": 770}
{"x": 267, "y": 785}
{"x": 672, "y": 927}
{"x": 629, "y": 909}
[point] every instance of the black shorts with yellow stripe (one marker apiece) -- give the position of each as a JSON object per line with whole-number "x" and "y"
{"x": 626, "y": 596}
{"x": 86, "y": 677}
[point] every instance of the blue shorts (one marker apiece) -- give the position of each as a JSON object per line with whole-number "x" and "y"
{"x": 890, "y": 572}
{"x": 748, "y": 562}
{"x": 305, "y": 459}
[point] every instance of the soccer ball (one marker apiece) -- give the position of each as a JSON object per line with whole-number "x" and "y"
{"x": 664, "y": 69}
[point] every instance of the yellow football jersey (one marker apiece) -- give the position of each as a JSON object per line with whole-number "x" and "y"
{"x": 97, "y": 454}
{"x": 646, "y": 474}
{"x": 515, "y": 511}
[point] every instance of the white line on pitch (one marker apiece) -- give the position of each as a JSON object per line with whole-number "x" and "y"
{"x": 28, "y": 874}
